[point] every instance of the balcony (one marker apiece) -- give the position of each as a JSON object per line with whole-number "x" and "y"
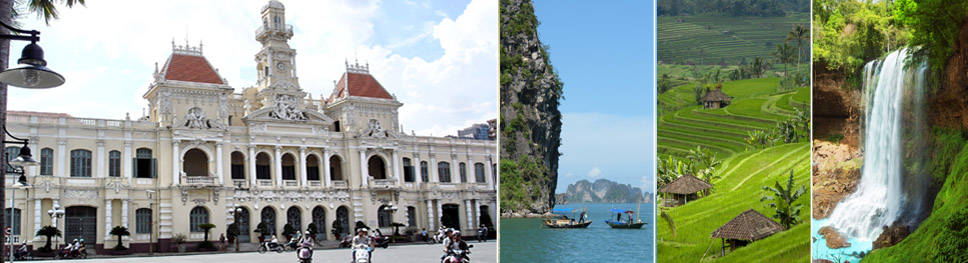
{"x": 199, "y": 180}
{"x": 290, "y": 183}
{"x": 339, "y": 184}
{"x": 240, "y": 183}
{"x": 315, "y": 183}
{"x": 381, "y": 183}
{"x": 264, "y": 182}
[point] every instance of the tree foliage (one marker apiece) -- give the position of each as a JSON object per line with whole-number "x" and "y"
{"x": 782, "y": 200}
{"x": 934, "y": 25}
{"x": 48, "y": 231}
{"x": 847, "y": 34}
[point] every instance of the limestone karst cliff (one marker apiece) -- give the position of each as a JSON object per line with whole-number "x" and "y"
{"x": 600, "y": 191}
{"x": 530, "y": 120}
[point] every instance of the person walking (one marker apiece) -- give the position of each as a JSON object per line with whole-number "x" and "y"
{"x": 221, "y": 239}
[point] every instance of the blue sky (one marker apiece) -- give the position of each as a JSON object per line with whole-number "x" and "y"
{"x": 438, "y": 57}
{"x": 603, "y": 54}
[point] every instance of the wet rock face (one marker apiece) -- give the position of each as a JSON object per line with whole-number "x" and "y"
{"x": 836, "y": 173}
{"x": 891, "y": 235}
{"x": 834, "y": 239}
{"x": 530, "y": 125}
{"x": 836, "y": 110}
{"x": 948, "y": 107}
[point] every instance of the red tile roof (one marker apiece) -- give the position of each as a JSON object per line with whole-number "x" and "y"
{"x": 191, "y": 68}
{"x": 360, "y": 85}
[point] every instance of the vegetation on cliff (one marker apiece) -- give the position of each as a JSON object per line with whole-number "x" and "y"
{"x": 600, "y": 191}
{"x": 530, "y": 121}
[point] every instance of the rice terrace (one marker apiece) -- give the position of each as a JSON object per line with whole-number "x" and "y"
{"x": 733, "y": 133}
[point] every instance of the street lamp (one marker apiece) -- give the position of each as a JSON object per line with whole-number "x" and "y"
{"x": 235, "y": 217}
{"x": 55, "y": 213}
{"x": 22, "y": 184}
{"x": 151, "y": 230}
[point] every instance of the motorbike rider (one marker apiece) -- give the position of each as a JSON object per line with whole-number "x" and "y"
{"x": 22, "y": 251}
{"x": 457, "y": 242}
{"x": 79, "y": 246}
{"x": 273, "y": 242}
{"x": 76, "y": 245}
{"x": 306, "y": 240}
{"x": 362, "y": 239}
{"x": 447, "y": 241}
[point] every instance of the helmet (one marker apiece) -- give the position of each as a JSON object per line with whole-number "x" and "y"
{"x": 75, "y": 240}
{"x": 307, "y": 232}
{"x": 361, "y": 230}
{"x": 456, "y": 232}
{"x": 82, "y": 240}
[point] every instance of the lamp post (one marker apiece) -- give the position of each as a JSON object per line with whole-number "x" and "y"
{"x": 18, "y": 166}
{"x": 22, "y": 184}
{"x": 32, "y": 73}
{"x": 235, "y": 217}
{"x": 151, "y": 230}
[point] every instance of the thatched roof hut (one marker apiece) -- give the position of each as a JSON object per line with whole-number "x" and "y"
{"x": 715, "y": 98}
{"x": 747, "y": 227}
{"x": 683, "y": 189}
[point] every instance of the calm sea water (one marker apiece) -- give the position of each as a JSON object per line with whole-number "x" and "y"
{"x": 526, "y": 240}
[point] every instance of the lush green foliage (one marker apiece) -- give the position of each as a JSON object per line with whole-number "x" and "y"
{"x": 934, "y": 25}
{"x": 737, "y": 8}
{"x": 947, "y": 144}
{"x": 520, "y": 181}
{"x": 119, "y": 231}
{"x": 783, "y": 200}
{"x": 48, "y": 231}
{"x": 848, "y": 34}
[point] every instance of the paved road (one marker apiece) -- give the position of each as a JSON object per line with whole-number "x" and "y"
{"x": 481, "y": 253}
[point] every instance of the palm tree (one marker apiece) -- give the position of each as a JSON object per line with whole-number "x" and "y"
{"x": 799, "y": 34}
{"x": 783, "y": 54}
{"x": 756, "y": 67}
{"x": 783, "y": 199}
{"x": 119, "y": 231}
{"x": 47, "y": 9}
{"x": 48, "y": 231}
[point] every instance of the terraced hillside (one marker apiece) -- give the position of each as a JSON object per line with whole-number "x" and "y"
{"x": 721, "y": 37}
{"x": 739, "y": 190}
{"x": 756, "y": 106}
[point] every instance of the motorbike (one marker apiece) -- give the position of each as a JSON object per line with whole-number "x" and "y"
{"x": 361, "y": 254}
{"x": 68, "y": 253}
{"x": 347, "y": 240}
{"x": 382, "y": 241}
{"x": 458, "y": 255}
{"x": 266, "y": 246}
{"x": 438, "y": 238}
{"x": 292, "y": 245}
{"x": 22, "y": 253}
{"x": 305, "y": 253}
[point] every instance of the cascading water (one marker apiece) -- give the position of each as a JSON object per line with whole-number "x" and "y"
{"x": 883, "y": 195}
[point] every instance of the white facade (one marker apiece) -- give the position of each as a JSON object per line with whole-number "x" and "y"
{"x": 205, "y": 150}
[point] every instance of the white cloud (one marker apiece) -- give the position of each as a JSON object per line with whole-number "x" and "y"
{"x": 595, "y": 172}
{"x": 108, "y": 50}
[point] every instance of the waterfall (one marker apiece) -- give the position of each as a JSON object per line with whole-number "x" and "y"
{"x": 884, "y": 195}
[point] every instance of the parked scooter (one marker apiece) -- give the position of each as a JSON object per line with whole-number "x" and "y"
{"x": 458, "y": 255}
{"x": 346, "y": 242}
{"x": 382, "y": 241}
{"x": 292, "y": 245}
{"x": 361, "y": 254}
{"x": 267, "y": 246}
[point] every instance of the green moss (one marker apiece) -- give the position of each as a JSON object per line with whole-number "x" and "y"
{"x": 947, "y": 144}
{"x": 520, "y": 180}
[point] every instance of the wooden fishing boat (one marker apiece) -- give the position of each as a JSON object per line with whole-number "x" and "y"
{"x": 563, "y": 221}
{"x": 619, "y": 223}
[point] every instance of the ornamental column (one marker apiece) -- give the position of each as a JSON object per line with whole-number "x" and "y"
{"x": 363, "y": 170}
{"x": 487, "y": 175}
{"x": 326, "y": 168}
{"x": 218, "y": 162}
{"x": 124, "y": 213}
{"x": 100, "y": 160}
{"x": 37, "y": 217}
{"x": 396, "y": 169}
{"x": 433, "y": 168}
{"x": 430, "y": 215}
{"x": 302, "y": 166}
{"x": 108, "y": 214}
{"x": 417, "y": 174}
{"x": 278, "y": 167}
{"x": 440, "y": 211}
{"x": 128, "y": 161}
{"x": 175, "y": 163}
{"x": 61, "y": 158}
{"x": 252, "y": 172}
{"x": 470, "y": 218}
{"x": 455, "y": 169}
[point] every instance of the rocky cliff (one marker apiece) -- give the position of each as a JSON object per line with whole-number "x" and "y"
{"x": 530, "y": 120}
{"x": 600, "y": 191}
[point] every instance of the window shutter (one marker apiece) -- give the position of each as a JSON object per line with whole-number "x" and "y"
{"x": 134, "y": 168}
{"x": 154, "y": 170}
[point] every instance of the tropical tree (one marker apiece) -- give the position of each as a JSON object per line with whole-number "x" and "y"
{"x": 757, "y": 67}
{"x": 48, "y": 231}
{"x": 206, "y": 227}
{"x": 120, "y": 231}
{"x": 670, "y": 169}
{"x": 799, "y": 34}
{"x": 697, "y": 92}
{"x": 803, "y": 118}
{"x": 783, "y": 54}
{"x": 704, "y": 165}
{"x": 782, "y": 200}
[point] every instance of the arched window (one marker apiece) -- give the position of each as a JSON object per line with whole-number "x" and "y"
{"x": 376, "y": 167}
{"x": 275, "y": 22}
{"x": 288, "y": 167}
{"x": 479, "y": 172}
{"x": 262, "y": 166}
{"x": 335, "y": 168}
{"x": 144, "y": 164}
{"x": 80, "y": 163}
{"x": 114, "y": 163}
{"x": 198, "y": 216}
{"x": 238, "y": 165}
{"x": 408, "y": 173}
{"x": 312, "y": 168}
{"x": 463, "y": 172}
{"x": 142, "y": 218}
{"x": 411, "y": 216}
{"x": 424, "y": 171}
{"x": 443, "y": 170}
{"x": 46, "y": 161}
{"x": 16, "y": 218}
{"x": 384, "y": 217}
{"x": 196, "y": 163}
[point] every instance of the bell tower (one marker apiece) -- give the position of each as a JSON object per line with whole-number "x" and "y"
{"x": 275, "y": 62}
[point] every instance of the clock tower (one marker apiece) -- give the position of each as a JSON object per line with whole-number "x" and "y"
{"x": 276, "y": 61}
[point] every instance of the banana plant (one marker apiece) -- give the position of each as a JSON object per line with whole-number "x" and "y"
{"x": 782, "y": 200}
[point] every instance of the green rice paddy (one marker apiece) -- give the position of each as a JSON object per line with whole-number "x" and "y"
{"x": 744, "y": 37}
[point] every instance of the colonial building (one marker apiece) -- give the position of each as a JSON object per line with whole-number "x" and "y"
{"x": 269, "y": 153}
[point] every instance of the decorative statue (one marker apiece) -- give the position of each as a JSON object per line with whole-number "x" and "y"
{"x": 196, "y": 119}
{"x": 286, "y": 109}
